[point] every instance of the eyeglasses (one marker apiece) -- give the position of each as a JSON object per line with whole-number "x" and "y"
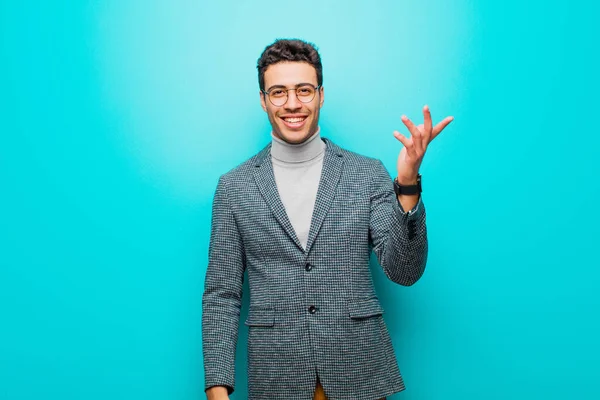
{"x": 305, "y": 93}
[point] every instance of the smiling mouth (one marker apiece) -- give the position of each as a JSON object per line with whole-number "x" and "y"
{"x": 294, "y": 120}
{"x": 294, "y": 123}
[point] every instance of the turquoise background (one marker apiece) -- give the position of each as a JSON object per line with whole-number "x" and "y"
{"x": 117, "y": 118}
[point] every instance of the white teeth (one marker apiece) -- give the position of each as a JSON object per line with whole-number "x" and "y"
{"x": 294, "y": 120}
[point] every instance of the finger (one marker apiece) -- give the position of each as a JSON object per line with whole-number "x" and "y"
{"x": 417, "y": 137}
{"x": 440, "y": 127}
{"x": 410, "y": 148}
{"x": 427, "y": 123}
{"x": 424, "y": 142}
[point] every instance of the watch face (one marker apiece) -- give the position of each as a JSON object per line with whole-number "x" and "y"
{"x": 396, "y": 187}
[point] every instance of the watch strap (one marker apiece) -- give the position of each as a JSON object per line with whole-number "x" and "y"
{"x": 408, "y": 189}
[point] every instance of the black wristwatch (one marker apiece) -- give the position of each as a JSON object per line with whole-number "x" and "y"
{"x": 408, "y": 189}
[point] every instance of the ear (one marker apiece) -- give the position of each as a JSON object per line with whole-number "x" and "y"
{"x": 322, "y": 97}
{"x": 262, "y": 101}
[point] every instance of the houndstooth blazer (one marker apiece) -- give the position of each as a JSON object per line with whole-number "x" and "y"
{"x": 314, "y": 311}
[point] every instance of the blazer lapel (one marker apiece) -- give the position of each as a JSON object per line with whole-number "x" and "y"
{"x": 330, "y": 176}
{"x": 265, "y": 179}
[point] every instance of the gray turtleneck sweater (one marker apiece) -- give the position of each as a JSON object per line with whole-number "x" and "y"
{"x": 297, "y": 169}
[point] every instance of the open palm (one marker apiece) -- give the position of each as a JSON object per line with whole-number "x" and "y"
{"x": 411, "y": 155}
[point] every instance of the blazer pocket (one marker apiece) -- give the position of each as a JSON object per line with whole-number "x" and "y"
{"x": 365, "y": 308}
{"x": 261, "y": 317}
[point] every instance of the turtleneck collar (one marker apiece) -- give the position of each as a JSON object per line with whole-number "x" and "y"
{"x": 297, "y": 153}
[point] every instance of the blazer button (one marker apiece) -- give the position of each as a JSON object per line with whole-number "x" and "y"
{"x": 312, "y": 309}
{"x": 308, "y": 267}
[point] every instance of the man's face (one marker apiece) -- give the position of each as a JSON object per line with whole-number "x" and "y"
{"x": 294, "y": 122}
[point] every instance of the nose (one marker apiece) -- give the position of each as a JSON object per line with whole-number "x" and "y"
{"x": 292, "y": 101}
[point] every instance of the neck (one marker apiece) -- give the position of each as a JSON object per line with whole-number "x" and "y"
{"x": 297, "y": 153}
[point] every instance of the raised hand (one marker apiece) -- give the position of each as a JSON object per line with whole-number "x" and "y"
{"x": 411, "y": 155}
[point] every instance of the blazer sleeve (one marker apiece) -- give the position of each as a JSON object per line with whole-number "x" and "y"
{"x": 222, "y": 297}
{"x": 399, "y": 238}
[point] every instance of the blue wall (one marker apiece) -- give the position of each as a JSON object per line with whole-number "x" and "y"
{"x": 117, "y": 118}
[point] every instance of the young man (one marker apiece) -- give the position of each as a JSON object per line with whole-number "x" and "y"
{"x": 302, "y": 217}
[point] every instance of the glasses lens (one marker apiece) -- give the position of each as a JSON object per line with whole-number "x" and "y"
{"x": 305, "y": 93}
{"x": 278, "y": 97}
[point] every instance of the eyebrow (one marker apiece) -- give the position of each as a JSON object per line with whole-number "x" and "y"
{"x": 295, "y": 87}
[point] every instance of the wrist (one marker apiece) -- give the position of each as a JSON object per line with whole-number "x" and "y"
{"x": 217, "y": 392}
{"x": 407, "y": 186}
{"x": 405, "y": 180}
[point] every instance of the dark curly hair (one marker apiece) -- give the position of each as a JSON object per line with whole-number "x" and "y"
{"x": 289, "y": 50}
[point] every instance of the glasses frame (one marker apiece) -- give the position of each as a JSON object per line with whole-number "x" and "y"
{"x": 287, "y": 96}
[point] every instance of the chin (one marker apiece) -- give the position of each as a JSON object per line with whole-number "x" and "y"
{"x": 294, "y": 137}
{"x": 297, "y": 139}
